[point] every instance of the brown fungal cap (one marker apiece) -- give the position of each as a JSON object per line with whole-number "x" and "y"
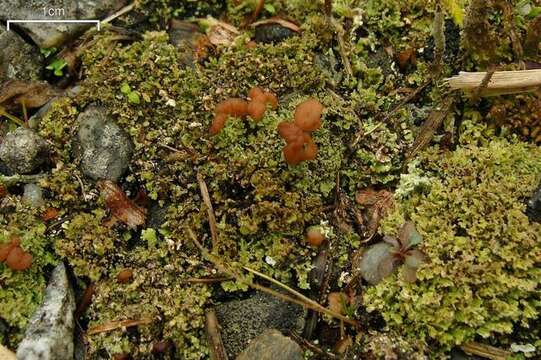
{"x": 308, "y": 115}
{"x": 125, "y": 276}
{"x": 314, "y": 236}
{"x": 237, "y": 107}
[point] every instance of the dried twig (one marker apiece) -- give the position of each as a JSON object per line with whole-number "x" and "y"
{"x": 16, "y": 120}
{"x": 119, "y": 13}
{"x": 259, "y": 6}
{"x": 304, "y": 301}
{"x": 434, "y": 121}
{"x": 210, "y": 211}
{"x": 6, "y": 354}
{"x": 312, "y": 347}
{"x": 486, "y": 351}
{"x": 340, "y": 33}
{"x": 438, "y": 32}
{"x": 483, "y": 85}
{"x": 82, "y": 186}
{"x": 290, "y": 290}
{"x": 207, "y": 280}
{"x": 360, "y": 134}
{"x": 114, "y": 325}
{"x": 214, "y": 338}
{"x": 501, "y": 82}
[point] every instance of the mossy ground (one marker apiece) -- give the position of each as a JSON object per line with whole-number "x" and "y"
{"x": 262, "y": 205}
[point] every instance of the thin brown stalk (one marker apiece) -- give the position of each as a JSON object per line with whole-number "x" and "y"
{"x": 214, "y": 338}
{"x": 360, "y": 134}
{"x": 312, "y": 347}
{"x": 114, "y": 325}
{"x": 259, "y": 6}
{"x": 486, "y": 351}
{"x": 302, "y": 301}
{"x": 484, "y": 83}
{"x": 13, "y": 118}
{"x": 340, "y": 33}
{"x": 313, "y": 305}
{"x": 82, "y": 186}
{"x": 429, "y": 127}
{"x": 327, "y": 8}
{"x": 210, "y": 211}
{"x": 207, "y": 280}
{"x": 119, "y": 13}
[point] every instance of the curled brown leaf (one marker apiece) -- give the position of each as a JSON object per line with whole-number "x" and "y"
{"x": 120, "y": 205}
{"x": 32, "y": 94}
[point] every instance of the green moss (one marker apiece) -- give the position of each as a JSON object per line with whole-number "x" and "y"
{"x": 482, "y": 277}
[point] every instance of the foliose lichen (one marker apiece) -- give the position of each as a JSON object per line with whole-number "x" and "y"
{"x": 481, "y": 279}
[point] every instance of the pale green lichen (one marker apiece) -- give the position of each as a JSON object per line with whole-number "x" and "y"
{"x": 482, "y": 276}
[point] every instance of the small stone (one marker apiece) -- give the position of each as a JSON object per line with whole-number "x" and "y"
{"x": 104, "y": 148}
{"x": 186, "y": 37}
{"x": 243, "y": 320}
{"x": 272, "y": 33}
{"x": 33, "y": 195}
{"x": 272, "y": 345}
{"x": 18, "y": 60}
{"x": 533, "y": 208}
{"x": 23, "y": 151}
{"x": 49, "y": 334}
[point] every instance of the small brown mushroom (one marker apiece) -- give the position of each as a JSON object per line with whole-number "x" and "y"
{"x": 125, "y": 276}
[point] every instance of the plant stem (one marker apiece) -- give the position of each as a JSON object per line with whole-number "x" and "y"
{"x": 302, "y": 300}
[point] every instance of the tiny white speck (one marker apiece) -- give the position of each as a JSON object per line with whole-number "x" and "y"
{"x": 270, "y": 261}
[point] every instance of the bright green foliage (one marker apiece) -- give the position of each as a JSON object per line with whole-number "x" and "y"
{"x": 22, "y": 291}
{"x": 483, "y": 276}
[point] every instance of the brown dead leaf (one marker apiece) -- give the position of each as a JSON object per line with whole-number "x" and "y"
{"x": 221, "y": 33}
{"x": 50, "y": 213}
{"x": 282, "y": 22}
{"x": 121, "y": 207}
{"x": 15, "y": 93}
{"x": 343, "y": 345}
{"x": 336, "y": 300}
{"x": 376, "y": 205}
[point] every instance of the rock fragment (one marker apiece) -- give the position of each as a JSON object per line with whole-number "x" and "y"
{"x": 49, "y": 335}
{"x": 272, "y": 345}
{"x": 244, "y": 320}
{"x": 23, "y": 151}
{"x": 104, "y": 148}
{"x": 18, "y": 60}
{"x": 533, "y": 207}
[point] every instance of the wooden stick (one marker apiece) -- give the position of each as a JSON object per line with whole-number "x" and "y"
{"x": 311, "y": 346}
{"x": 207, "y": 280}
{"x": 486, "y": 351}
{"x": 119, "y": 13}
{"x": 501, "y": 82}
{"x": 429, "y": 127}
{"x": 214, "y": 338}
{"x": 310, "y": 304}
{"x": 6, "y": 354}
{"x": 114, "y": 325}
{"x": 210, "y": 211}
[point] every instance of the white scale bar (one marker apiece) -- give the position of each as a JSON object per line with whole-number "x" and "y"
{"x": 97, "y": 22}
